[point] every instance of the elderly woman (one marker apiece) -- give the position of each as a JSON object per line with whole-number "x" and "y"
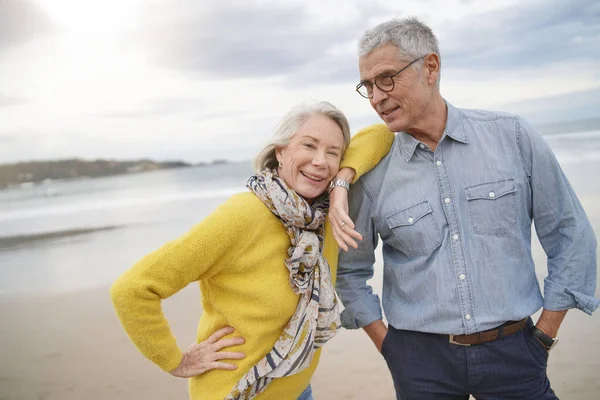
{"x": 264, "y": 260}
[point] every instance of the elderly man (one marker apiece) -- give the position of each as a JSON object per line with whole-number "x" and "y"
{"x": 453, "y": 203}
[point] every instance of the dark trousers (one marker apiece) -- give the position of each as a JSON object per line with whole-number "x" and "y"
{"x": 426, "y": 366}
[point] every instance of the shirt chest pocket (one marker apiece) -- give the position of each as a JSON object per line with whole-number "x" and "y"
{"x": 493, "y": 207}
{"x": 414, "y": 231}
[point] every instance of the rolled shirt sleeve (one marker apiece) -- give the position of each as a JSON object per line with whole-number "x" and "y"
{"x": 355, "y": 267}
{"x": 561, "y": 226}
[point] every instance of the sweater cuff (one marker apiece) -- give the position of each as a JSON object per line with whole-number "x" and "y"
{"x": 171, "y": 362}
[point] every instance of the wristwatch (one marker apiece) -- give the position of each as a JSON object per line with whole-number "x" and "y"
{"x": 548, "y": 342}
{"x": 339, "y": 182}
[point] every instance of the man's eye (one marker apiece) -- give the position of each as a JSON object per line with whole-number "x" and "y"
{"x": 384, "y": 78}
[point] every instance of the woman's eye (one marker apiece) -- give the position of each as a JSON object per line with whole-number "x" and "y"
{"x": 309, "y": 145}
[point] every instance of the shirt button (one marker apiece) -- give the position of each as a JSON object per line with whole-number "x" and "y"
{"x": 455, "y": 236}
{"x": 422, "y": 146}
{"x": 492, "y": 195}
{"x": 468, "y": 317}
{"x": 411, "y": 220}
{"x": 447, "y": 200}
{"x": 462, "y": 278}
{"x": 438, "y": 163}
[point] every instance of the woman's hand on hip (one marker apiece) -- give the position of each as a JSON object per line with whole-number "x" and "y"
{"x": 207, "y": 355}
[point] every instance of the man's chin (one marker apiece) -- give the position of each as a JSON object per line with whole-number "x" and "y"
{"x": 394, "y": 126}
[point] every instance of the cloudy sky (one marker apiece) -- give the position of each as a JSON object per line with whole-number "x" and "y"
{"x": 205, "y": 79}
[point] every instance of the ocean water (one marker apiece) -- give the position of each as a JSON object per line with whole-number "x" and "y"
{"x": 70, "y": 235}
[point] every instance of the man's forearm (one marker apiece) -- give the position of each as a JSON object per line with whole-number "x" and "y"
{"x": 376, "y": 331}
{"x": 550, "y": 321}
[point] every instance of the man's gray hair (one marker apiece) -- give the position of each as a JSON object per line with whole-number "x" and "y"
{"x": 412, "y": 37}
{"x": 291, "y": 123}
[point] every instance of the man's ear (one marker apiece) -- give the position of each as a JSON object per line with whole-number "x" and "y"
{"x": 432, "y": 65}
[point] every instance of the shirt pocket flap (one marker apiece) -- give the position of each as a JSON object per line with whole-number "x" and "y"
{"x": 491, "y": 190}
{"x": 409, "y": 216}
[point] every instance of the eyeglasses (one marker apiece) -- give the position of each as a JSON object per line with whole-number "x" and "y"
{"x": 385, "y": 83}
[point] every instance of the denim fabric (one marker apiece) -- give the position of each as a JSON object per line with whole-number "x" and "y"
{"x": 307, "y": 394}
{"x": 428, "y": 366}
{"x": 456, "y": 231}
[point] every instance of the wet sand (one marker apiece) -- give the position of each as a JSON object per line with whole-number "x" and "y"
{"x": 71, "y": 347}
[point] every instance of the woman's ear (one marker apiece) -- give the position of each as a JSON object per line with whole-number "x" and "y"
{"x": 279, "y": 154}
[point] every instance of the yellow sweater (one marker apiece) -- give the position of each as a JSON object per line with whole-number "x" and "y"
{"x": 236, "y": 254}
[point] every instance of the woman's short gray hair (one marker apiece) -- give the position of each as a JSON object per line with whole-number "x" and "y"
{"x": 412, "y": 37}
{"x": 291, "y": 123}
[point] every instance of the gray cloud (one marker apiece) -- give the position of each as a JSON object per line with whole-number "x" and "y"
{"x": 20, "y": 21}
{"x": 211, "y": 114}
{"x": 528, "y": 34}
{"x": 160, "y": 107}
{"x": 249, "y": 40}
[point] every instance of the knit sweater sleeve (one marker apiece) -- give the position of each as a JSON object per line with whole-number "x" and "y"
{"x": 367, "y": 148}
{"x": 206, "y": 249}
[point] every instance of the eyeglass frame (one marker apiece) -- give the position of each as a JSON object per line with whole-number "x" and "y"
{"x": 364, "y": 83}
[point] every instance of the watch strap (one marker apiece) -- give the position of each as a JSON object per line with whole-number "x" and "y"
{"x": 546, "y": 340}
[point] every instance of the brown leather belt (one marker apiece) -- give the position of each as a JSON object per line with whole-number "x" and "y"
{"x": 490, "y": 335}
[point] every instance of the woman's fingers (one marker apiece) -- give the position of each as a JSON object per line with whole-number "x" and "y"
{"x": 349, "y": 231}
{"x": 343, "y": 230}
{"x": 346, "y": 237}
{"x": 342, "y": 218}
{"x": 219, "y": 334}
{"x": 337, "y": 225}
{"x": 229, "y": 355}
{"x": 341, "y": 244}
{"x": 342, "y": 225}
{"x": 234, "y": 341}
{"x": 201, "y": 357}
{"x": 221, "y": 365}
{"x": 337, "y": 235}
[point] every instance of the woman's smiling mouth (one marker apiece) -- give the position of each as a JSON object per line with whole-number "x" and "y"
{"x": 312, "y": 177}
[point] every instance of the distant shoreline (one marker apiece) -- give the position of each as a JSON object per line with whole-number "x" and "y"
{"x": 32, "y": 173}
{"x": 568, "y": 127}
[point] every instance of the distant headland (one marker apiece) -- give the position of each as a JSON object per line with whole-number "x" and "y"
{"x": 25, "y": 174}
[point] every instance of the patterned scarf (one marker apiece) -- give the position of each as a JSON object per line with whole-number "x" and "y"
{"x": 317, "y": 316}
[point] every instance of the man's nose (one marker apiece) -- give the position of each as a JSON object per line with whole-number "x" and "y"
{"x": 378, "y": 95}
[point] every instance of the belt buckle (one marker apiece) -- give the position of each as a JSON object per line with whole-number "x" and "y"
{"x": 451, "y": 340}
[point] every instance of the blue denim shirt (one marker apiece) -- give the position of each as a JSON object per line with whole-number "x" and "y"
{"x": 456, "y": 230}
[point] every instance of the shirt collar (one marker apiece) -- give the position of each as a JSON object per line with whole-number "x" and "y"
{"x": 454, "y": 129}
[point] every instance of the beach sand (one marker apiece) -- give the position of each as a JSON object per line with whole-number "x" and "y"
{"x": 70, "y": 347}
